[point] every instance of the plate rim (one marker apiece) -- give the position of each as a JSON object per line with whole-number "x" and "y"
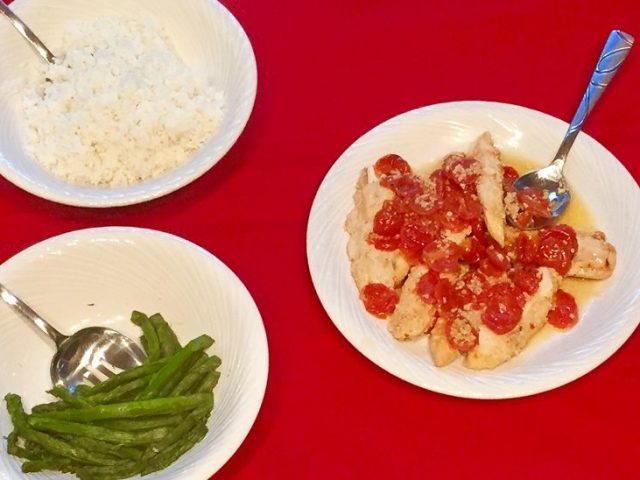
{"x": 587, "y": 367}
{"x": 260, "y": 375}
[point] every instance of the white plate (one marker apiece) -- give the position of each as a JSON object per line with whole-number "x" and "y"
{"x": 207, "y": 37}
{"x": 97, "y": 277}
{"x": 424, "y": 136}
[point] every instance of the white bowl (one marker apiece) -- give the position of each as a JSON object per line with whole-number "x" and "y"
{"x": 97, "y": 277}
{"x": 205, "y": 35}
{"x": 424, "y": 136}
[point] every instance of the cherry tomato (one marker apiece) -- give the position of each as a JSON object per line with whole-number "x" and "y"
{"x": 426, "y": 286}
{"x": 391, "y": 164}
{"x": 558, "y": 245}
{"x": 489, "y": 269}
{"x": 384, "y": 243}
{"x": 564, "y": 313}
{"x": 461, "y": 334}
{"x": 406, "y": 185}
{"x": 473, "y": 251}
{"x": 414, "y": 235}
{"x": 442, "y": 256}
{"x": 510, "y": 176}
{"x": 461, "y": 170}
{"x": 526, "y": 248}
{"x": 379, "y": 300}
{"x": 534, "y": 201}
{"x": 388, "y": 220}
{"x": 502, "y": 313}
{"x": 526, "y": 279}
{"x": 498, "y": 257}
{"x": 445, "y": 295}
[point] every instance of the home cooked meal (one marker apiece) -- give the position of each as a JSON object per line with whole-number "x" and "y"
{"x": 136, "y": 422}
{"x": 433, "y": 255}
{"x": 119, "y": 106}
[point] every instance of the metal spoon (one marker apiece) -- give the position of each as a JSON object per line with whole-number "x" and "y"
{"x": 550, "y": 179}
{"x": 26, "y": 32}
{"x": 90, "y": 355}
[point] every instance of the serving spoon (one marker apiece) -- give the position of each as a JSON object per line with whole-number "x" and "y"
{"x": 28, "y": 34}
{"x": 550, "y": 179}
{"x": 90, "y": 355}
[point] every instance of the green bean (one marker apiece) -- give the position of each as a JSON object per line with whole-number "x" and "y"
{"x": 68, "y": 398}
{"x": 142, "y": 423}
{"x": 50, "y": 407}
{"x": 63, "y": 449}
{"x": 186, "y": 367}
{"x": 189, "y": 422}
{"x": 82, "y": 389}
{"x": 54, "y": 463}
{"x": 120, "y": 451}
{"x": 204, "y": 365}
{"x": 118, "y": 392}
{"x": 138, "y": 408}
{"x": 127, "y": 376}
{"x": 173, "y": 364}
{"x": 16, "y": 450}
{"x": 167, "y": 339}
{"x": 124, "y": 470}
{"x": 175, "y": 451}
{"x": 16, "y": 411}
{"x": 97, "y": 432}
{"x": 137, "y": 318}
{"x": 208, "y": 382}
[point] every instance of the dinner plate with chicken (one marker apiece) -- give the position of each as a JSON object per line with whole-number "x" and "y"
{"x": 417, "y": 252}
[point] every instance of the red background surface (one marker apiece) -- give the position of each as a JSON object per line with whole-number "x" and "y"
{"x": 328, "y": 72}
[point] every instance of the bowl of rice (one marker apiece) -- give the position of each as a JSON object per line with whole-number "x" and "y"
{"x": 145, "y": 97}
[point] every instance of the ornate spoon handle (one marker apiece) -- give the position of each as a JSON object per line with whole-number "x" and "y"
{"x": 613, "y": 55}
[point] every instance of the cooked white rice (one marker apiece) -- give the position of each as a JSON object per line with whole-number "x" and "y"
{"x": 119, "y": 108}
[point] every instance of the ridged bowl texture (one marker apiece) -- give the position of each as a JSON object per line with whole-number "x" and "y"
{"x": 206, "y": 36}
{"x": 424, "y": 136}
{"x": 96, "y": 277}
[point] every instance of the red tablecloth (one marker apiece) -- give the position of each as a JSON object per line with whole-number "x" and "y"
{"x": 328, "y": 72}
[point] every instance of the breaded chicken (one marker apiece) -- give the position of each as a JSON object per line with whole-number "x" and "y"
{"x": 412, "y": 316}
{"x": 489, "y": 185}
{"x": 442, "y": 353}
{"x": 595, "y": 258}
{"x": 368, "y": 264}
{"x": 493, "y": 350}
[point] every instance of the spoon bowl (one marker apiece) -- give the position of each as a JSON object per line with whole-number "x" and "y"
{"x": 549, "y": 180}
{"x": 89, "y": 356}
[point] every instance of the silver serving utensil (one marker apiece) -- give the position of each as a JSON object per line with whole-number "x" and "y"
{"x": 90, "y": 355}
{"x": 26, "y": 32}
{"x": 550, "y": 179}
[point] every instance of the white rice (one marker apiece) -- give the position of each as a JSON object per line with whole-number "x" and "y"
{"x": 120, "y": 108}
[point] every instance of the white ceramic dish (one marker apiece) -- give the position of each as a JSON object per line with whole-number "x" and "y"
{"x": 97, "y": 277}
{"x": 424, "y": 136}
{"x": 207, "y": 37}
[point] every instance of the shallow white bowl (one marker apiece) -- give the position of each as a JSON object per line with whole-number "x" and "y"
{"x": 206, "y": 36}
{"x": 423, "y": 136}
{"x": 97, "y": 277}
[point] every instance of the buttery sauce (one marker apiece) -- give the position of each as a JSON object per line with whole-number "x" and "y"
{"x": 579, "y": 217}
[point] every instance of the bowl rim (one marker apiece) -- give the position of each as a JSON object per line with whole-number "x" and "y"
{"x": 106, "y": 197}
{"x": 260, "y": 373}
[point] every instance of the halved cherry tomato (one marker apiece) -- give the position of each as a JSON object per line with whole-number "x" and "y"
{"x": 534, "y": 201}
{"x": 564, "y": 313}
{"x": 379, "y": 300}
{"x": 442, "y": 256}
{"x": 470, "y": 287}
{"x": 558, "y": 245}
{"x": 445, "y": 295}
{"x": 406, "y": 185}
{"x": 472, "y": 250}
{"x": 461, "y": 170}
{"x": 503, "y": 311}
{"x": 498, "y": 257}
{"x": 426, "y": 286}
{"x": 461, "y": 334}
{"x": 510, "y": 176}
{"x": 415, "y": 234}
{"x": 388, "y": 220}
{"x": 391, "y": 164}
{"x": 525, "y": 279}
{"x": 489, "y": 269}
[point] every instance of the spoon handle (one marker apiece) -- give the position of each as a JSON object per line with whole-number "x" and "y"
{"x": 26, "y": 32}
{"x": 27, "y": 312}
{"x": 613, "y": 55}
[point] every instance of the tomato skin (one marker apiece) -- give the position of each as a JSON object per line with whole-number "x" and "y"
{"x": 445, "y": 295}
{"x": 391, "y": 164}
{"x": 526, "y": 280}
{"x": 379, "y": 300}
{"x": 564, "y": 313}
{"x": 526, "y": 248}
{"x": 498, "y": 257}
{"x": 558, "y": 245}
{"x": 405, "y": 186}
{"x": 442, "y": 256}
{"x": 534, "y": 201}
{"x": 510, "y": 176}
{"x": 460, "y": 334}
{"x": 469, "y": 165}
{"x": 384, "y": 243}
{"x": 503, "y": 309}
{"x": 388, "y": 220}
{"x": 414, "y": 236}
{"x": 426, "y": 287}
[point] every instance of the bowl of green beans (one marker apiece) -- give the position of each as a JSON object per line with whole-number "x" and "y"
{"x": 183, "y": 412}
